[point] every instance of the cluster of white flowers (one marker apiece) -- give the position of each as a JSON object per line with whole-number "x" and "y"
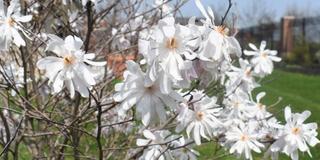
{"x": 164, "y": 91}
{"x": 72, "y": 67}
{"x": 167, "y": 92}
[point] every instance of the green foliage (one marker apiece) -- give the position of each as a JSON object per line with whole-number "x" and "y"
{"x": 300, "y": 55}
{"x": 303, "y": 53}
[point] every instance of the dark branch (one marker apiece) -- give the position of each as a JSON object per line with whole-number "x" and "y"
{"x": 226, "y": 14}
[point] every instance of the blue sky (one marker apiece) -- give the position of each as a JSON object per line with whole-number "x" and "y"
{"x": 276, "y": 7}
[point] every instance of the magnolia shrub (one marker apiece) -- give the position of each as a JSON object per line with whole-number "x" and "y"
{"x": 162, "y": 108}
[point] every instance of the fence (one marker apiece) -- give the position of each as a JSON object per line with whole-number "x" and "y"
{"x": 286, "y": 36}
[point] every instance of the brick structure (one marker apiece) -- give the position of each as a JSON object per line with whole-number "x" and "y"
{"x": 287, "y": 39}
{"x": 116, "y": 62}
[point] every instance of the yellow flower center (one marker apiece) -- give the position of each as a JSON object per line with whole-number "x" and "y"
{"x": 248, "y": 72}
{"x": 10, "y": 22}
{"x": 261, "y": 106}
{"x": 244, "y": 137}
{"x": 223, "y": 30}
{"x": 172, "y": 43}
{"x": 264, "y": 55}
{"x": 149, "y": 89}
{"x": 69, "y": 60}
{"x": 199, "y": 115}
{"x": 295, "y": 130}
{"x": 236, "y": 104}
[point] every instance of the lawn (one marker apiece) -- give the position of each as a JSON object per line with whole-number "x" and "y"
{"x": 301, "y": 92}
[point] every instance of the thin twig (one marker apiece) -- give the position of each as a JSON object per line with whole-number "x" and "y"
{"x": 6, "y": 147}
{"x": 225, "y": 15}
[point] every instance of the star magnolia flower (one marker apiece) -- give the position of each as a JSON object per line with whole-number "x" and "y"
{"x": 138, "y": 90}
{"x": 258, "y": 109}
{"x": 171, "y": 46}
{"x": 296, "y": 135}
{"x": 203, "y": 118}
{"x": 218, "y": 45}
{"x": 262, "y": 59}
{"x": 240, "y": 78}
{"x": 69, "y": 67}
{"x": 243, "y": 139}
{"x": 237, "y": 105}
{"x": 186, "y": 152}
{"x": 154, "y": 151}
{"x": 10, "y": 23}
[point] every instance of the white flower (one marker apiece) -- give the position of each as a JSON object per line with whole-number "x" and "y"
{"x": 262, "y": 59}
{"x": 156, "y": 142}
{"x": 296, "y": 135}
{"x": 258, "y": 109}
{"x": 70, "y": 67}
{"x": 170, "y": 45}
{"x": 203, "y": 118}
{"x": 184, "y": 151}
{"x": 243, "y": 139}
{"x": 241, "y": 78}
{"x": 138, "y": 90}
{"x": 217, "y": 44}
{"x": 14, "y": 75}
{"x": 237, "y": 105}
{"x": 10, "y": 25}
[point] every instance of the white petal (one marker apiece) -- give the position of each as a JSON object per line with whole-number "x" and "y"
{"x": 81, "y": 86}
{"x": 313, "y": 141}
{"x": 23, "y": 18}
{"x": 142, "y": 142}
{"x": 274, "y": 58}
{"x": 70, "y": 87}
{"x": 1, "y": 9}
{"x": 263, "y": 45}
{"x": 252, "y": 46}
{"x": 201, "y": 8}
{"x": 89, "y": 56}
{"x": 249, "y": 53}
{"x": 196, "y": 134}
{"x": 287, "y": 113}
{"x": 148, "y": 134}
{"x": 303, "y": 117}
{"x": 260, "y": 95}
{"x": 17, "y": 39}
{"x": 103, "y": 63}
{"x": 169, "y": 31}
{"x": 86, "y": 74}
{"x": 165, "y": 85}
{"x": 13, "y": 7}
{"x": 58, "y": 83}
{"x": 73, "y": 43}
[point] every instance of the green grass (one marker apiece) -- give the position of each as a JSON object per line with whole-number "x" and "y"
{"x": 301, "y": 92}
